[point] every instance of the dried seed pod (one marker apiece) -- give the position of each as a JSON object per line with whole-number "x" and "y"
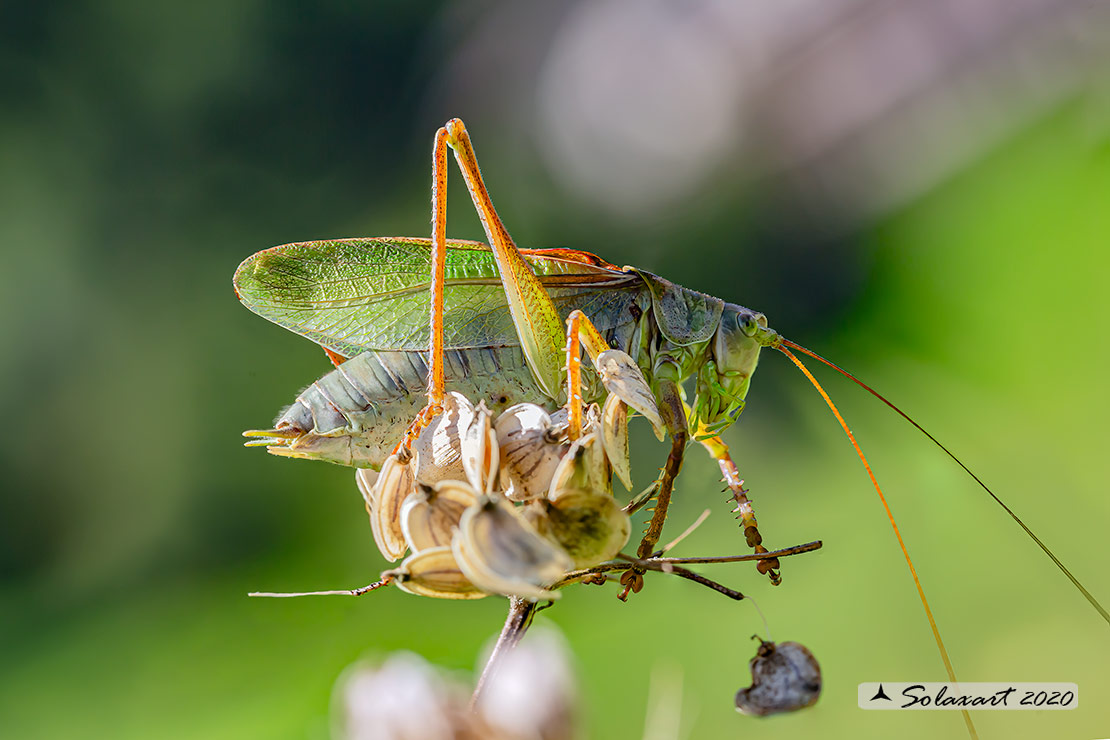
{"x": 614, "y": 432}
{"x": 434, "y": 572}
{"x": 591, "y": 528}
{"x": 622, "y": 378}
{"x": 500, "y": 552}
{"x": 438, "y": 449}
{"x": 785, "y": 677}
{"x": 480, "y": 455}
{"x": 365, "y": 478}
{"x": 531, "y": 446}
{"x": 431, "y": 514}
{"x": 583, "y": 468}
{"x": 393, "y": 486}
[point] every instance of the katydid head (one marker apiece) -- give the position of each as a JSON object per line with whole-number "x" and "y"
{"x": 724, "y": 378}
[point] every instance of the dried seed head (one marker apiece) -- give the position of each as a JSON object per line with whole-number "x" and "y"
{"x": 622, "y": 378}
{"x": 590, "y": 527}
{"x": 614, "y": 432}
{"x": 583, "y": 468}
{"x": 431, "y": 514}
{"x": 531, "y": 446}
{"x": 500, "y": 552}
{"x": 394, "y": 484}
{"x": 365, "y": 478}
{"x": 434, "y": 572}
{"x": 480, "y": 455}
{"x": 785, "y": 677}
{"x": 438, "y": 449}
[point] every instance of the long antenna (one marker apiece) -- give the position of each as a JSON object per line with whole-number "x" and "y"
{"x": 1063, "y": 568}
{"x": 894, "y": 525}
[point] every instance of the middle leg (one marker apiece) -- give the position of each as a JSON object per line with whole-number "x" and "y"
{"x": 436, "y": 383}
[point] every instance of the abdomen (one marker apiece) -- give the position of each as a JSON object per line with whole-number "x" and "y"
{"x": 357, "y": 413}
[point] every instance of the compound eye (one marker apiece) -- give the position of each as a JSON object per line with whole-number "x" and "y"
{"x": 746, "y": 323}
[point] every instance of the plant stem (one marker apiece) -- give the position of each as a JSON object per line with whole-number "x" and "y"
{"x": 517, "y": 622}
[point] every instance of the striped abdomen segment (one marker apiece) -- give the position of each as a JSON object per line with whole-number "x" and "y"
{"x": 357, "y": 413}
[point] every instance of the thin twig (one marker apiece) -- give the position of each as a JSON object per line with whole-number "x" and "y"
{"x": 666, "y": 565}
{"x": 385, "y": 581}
{"x": 517, "y": 622}
{"x": 689, "y": 531}
{"x": 663, "y": 567}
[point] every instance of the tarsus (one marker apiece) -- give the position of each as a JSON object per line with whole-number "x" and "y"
{"x": 1063, "y": 568}
{"x": 889, "y": 514}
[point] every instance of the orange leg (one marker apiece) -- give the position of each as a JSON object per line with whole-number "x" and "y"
{"x": 439, "y": 259}
{"x": 718, "y": 450}
{"x": 574, "y": 377}
{"x": 580, "y": 332}
{"x": 534, "y": 315}
{"x": 537, "y": 321}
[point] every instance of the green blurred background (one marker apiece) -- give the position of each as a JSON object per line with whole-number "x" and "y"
{"x": 918, "y": 193}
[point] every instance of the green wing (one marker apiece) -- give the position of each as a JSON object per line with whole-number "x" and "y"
{"x": 351, "y": 295}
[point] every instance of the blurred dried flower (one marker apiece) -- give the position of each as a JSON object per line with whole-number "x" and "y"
{"x": 531, "y": 696}
{"x": 404, "y": 698}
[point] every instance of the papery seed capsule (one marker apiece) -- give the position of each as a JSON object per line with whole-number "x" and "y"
{"x": 785, "y": 677}
{"x": 438, "y": 449}
{"x": 591, "y": 528}
{"x": 500, "y": 552}
{"x": 614, "y": 432}
{"x": 431, "y": 514}
{"x": 393, "y": 486}
{"x": 365, "y": 478}
{"x": 583, "y": 468}
{"x": 434, "y": 573}
{"x": 622, "y": 377}
{"x": 531, "y": 446}
{"x": 480, "y": 454}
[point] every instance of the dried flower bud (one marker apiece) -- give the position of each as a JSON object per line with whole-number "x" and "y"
{"x": 438, "y": 449}
{"x": 785, "y": 677}
{"x": 500, "y": 552}
{"x": 614, "y": 432}
{"x": 394, "y": 484}
{"x": 531, "y": 446}
{"x": 365, "y": 478}
{"x": 622, "y": 378}
{"x": 434, "y": 572}
{"x": 480, "y": 455}
{"x": 590, "y": 527}
{"x": 583, "y": 468}
{"x": 431, "y": 514}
